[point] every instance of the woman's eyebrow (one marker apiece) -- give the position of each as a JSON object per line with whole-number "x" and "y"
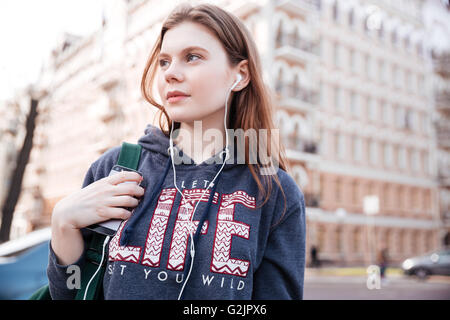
{"x": 161, "y": 54}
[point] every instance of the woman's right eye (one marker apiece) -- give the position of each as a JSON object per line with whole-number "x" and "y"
{"x": 161, "y": 62}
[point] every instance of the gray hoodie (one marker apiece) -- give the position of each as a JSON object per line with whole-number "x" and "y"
{"x": 241, "y": 251}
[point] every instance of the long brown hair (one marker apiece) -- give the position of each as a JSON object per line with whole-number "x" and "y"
{"x": 251, "y": 107}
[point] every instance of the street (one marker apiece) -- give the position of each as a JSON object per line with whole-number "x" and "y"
{"x": 398, "y": 287}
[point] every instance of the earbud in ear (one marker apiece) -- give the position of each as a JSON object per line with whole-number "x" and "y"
{"x": 238, "y": 78}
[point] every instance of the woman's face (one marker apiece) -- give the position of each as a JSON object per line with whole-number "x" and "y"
{"x": 202, "y": 74}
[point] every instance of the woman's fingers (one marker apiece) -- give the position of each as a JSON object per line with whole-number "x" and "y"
{"x": 130, "y": 189}
{"x": 117, "y": 213}
{"x": 124, "y": 176}
{"x": 123, "y": 201}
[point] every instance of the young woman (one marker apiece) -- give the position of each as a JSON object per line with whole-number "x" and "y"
{"x": 219, "y": 227}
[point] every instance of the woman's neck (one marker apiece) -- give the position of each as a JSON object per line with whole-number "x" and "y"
{"x": 201, "y": 140}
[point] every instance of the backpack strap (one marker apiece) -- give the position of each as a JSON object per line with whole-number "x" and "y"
{"x": 129, "y": 157}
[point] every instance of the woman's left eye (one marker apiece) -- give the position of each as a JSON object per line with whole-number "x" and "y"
{"x": 192, "y": 55}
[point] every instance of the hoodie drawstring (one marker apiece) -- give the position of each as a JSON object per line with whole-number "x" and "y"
{"x": 129, "y": 226}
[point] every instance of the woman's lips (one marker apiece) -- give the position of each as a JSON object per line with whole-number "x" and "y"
{"x": 175, "y": 99}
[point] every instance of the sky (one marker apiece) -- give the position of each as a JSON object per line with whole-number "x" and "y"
{"x": 29, "y": 30}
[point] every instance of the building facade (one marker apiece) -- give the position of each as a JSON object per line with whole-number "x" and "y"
{"x": 436, "y": 16}
{"x": 354, "y": 109}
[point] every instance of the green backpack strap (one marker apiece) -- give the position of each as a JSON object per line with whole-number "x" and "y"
{"x": 93, "y": 260}
{"x": 129, "y": 157}
{"x": 43, "y": 293}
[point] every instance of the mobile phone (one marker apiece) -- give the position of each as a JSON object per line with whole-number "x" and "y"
{"x": 110, "y": 227}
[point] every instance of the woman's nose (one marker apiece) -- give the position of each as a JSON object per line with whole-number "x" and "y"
{"x": 173, "y": 73}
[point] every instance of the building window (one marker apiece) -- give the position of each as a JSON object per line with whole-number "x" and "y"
{"x": 339, "y": 239}
{"x": 425, "y": 163}
{"x": 394, "y": 37}
{"x": 387, "y": 71}
{"x": 400, "y": 118}
{"x": 356, "y": 240}
{"x": 426, "y": 200}
{"x": 387, "y": 151}
{"x": 355, "y": 192}
{"x": 357, "y": 148}
{"x": 354, "y": 104}
{"x": 414, "y": 81}
{"x": 402, "y": 158}
{"x": 366, "y": 65}
{"x": 400, "y": 78}
{"x": 321, "y": 50}
{"x": 406, "y": 42}
{"x": 321, "y": 236}
{"x": 415, "y": 161}
{"x": 323, "y": 142}
{"x": 321, "y": 95}
{"x": 351, "y": 18}
{"x": 425, "y": 125}
{"x": 387, "y": 113}
{"x": 371, "y": 188}
{"x": 338, "y": 190}
{"x": 399, "y": 202}
{"x": 372, "y": 109}
{"x": 337, "y": 55}
{"x": 408, "y": 80}
{"x": 339, "y": 99}
{"x": 396, "y": 76}
{"x": 415, "y": 192}
{"x": 371, "y": 67}
{"x": 408, "y": 120}
{"x": 335, "y": 10}
{"x": 373, "y": 152}
{"x": 322, "y": 187}
{"x": 421, "y": 84}
{"x": 419, "y": 49}
{"x": 383, "y": 71}
{"x": 340, "y": 147}
{"x": 381, "y": 30}
{"x": 386, "y": 196}
{"x": 352, "y": 61}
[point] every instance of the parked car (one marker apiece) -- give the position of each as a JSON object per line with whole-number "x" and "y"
{"x": 433, "y": 263}
{"x": 23, "y": 265}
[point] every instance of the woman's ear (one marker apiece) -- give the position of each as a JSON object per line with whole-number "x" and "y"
{"x": 242, "y": 69}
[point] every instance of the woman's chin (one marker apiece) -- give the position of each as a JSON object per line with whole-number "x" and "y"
{"x": 183, "y": 116}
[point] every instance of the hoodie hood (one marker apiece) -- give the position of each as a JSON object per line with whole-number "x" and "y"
{"x": 156, "y": 141}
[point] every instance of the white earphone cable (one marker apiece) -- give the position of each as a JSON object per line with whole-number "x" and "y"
{"x": 227, "y": 151}
{"x": 99, "y": 266}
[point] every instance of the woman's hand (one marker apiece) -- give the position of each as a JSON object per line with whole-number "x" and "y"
{"x": 100, "y": 201}
{"x": 97, "y": 202}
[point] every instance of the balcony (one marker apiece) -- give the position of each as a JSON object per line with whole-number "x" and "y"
{"x": 443, "y": 177}
{"x": 295, "y": 48}
{"x": 296, "y": 97}
{"x": 299, "y": 7}
{"x": 312, "y": 200}
{"x": 300, "y": 144}
{"x": 441, "y": 64}
{"x": 443, "y": 134}
{"x": 442, "y": 100}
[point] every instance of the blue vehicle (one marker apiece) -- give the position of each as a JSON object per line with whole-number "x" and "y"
{"x": 23, "y": 265}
